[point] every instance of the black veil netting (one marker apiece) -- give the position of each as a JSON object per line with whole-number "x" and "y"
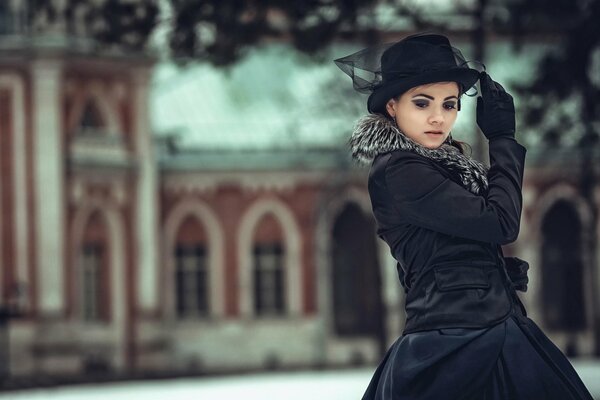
{"x": 364, "y": 67}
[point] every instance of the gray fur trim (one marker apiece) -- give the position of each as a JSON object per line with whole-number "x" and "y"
{"x": 375, "y": 134}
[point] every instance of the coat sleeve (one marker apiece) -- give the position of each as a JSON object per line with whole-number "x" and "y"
{"x": 423, "y": 196}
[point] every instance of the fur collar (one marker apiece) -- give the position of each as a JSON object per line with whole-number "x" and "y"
{"x": 375, "y": 134}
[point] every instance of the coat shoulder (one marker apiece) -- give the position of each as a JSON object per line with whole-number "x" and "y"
{"x": 399, "y": 157}
{"x": 418, "y": 166}
{"x": 405, "y": 175}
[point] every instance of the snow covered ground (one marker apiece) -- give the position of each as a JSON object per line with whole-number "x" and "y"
{"x": 330, "y": 385}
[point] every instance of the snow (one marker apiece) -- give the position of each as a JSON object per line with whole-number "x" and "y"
{"x": 331, "y": 385}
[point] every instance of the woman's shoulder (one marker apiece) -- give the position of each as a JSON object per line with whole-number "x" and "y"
{"x": 406, "y": 174}
{"x": 409, "y": 161}
{"x": 397, "y": 156}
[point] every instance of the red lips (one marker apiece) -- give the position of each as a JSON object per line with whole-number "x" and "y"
{"x": 436, "y": 132}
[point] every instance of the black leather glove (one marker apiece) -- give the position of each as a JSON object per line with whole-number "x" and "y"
{"x": 517, "y": 272}
{"x": 495, "y": 109}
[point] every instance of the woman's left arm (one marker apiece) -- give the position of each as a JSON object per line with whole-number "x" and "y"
{"x": 424, "y": 197}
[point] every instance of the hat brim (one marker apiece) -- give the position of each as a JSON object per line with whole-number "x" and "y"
{"x": 466, "y": 77}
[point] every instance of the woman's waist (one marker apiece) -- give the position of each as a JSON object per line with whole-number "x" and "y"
{"x": 468, "y": 294}
{"x": 439, "y": 249}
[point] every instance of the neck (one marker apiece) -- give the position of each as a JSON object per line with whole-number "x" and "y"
{"x": 375, "y": 134}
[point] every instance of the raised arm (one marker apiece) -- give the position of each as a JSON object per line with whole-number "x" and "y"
{"x": 424, "y": 197}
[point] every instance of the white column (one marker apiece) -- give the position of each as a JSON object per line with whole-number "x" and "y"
{"x": 48, "y": 184}
{"x": 146, "y": 207}
{"x": 14, "y": 83}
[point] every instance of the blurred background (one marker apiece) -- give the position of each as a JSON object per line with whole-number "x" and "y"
{"x": 178, "y": 197}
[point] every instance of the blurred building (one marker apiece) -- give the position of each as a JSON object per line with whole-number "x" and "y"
{"x": 248, "y": 245}
{"x": 118, "y": 260}
{"x": 78, "y": 197}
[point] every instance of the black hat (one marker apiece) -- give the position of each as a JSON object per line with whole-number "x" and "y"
{"x": 396, "y": 67}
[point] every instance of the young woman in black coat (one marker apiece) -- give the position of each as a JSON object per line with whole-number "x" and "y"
{"x": 445, "y": 216}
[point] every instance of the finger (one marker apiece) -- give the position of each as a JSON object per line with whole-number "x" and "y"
{"x": 479, "y": 104}
{"x": 485, "y": 82}
{"x": 484, "y": 79}
{"x": 499, "y": 87}
{"x": 494, "y": 86}
{"x": 491, "y": 86}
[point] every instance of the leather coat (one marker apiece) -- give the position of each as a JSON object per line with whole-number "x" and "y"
{"x": 447, "y": 240}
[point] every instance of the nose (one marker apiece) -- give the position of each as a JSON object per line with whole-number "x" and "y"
{"x": 436, "y": 118}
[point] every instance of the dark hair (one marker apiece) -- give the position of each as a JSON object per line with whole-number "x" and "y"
{"x": 461, "y": 146}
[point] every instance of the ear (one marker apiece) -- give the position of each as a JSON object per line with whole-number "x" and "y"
{"x": 390, "y": 107}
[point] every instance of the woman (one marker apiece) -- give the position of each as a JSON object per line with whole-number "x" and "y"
{"x": 445, "y": 216}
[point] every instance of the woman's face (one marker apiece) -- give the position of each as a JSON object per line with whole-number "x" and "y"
{"x": 426, "y": 113}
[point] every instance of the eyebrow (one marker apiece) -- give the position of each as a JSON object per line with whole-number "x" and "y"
{"x": 431, "y": 98}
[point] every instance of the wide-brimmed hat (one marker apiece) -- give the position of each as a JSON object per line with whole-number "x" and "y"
{"x": 389, "y": 70}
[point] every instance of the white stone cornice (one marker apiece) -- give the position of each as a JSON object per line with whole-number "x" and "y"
{"x": 79, "y": 185}
{"x": 207, "y": 182}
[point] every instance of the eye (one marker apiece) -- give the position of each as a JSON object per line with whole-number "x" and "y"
{"x": 450, "y": 106}
{"x": 420, "y": 104}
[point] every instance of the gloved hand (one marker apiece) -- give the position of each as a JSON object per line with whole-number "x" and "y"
{"x": 495, "y": 109}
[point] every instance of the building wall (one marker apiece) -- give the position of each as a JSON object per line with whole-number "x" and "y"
{"x": 230, "y": 206}
{"x": 58, "y": 177}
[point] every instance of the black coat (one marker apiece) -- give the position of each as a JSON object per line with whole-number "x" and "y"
{"x": 446, "y": 239}
{"x": 466, "y": 335}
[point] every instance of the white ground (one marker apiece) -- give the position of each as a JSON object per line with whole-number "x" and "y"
{"x": 330, "y": 385}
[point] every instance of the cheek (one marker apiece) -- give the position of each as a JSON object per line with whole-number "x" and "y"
{"x": 407, "y": 125}
{"x": 452, "y": 117}
{"x": 414, "y": 120}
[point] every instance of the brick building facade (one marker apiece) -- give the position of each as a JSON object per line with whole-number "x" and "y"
{"x": 121, "y": 252}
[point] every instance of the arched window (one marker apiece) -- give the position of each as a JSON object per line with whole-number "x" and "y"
{"x": 562, "y": 269}
{"x": 269, "y": 268}
{"x": 94, "y": 271}
{"x": 91, "y": 118}
{"x": 357, "y": 304}
{"x": 191, "y": 270}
